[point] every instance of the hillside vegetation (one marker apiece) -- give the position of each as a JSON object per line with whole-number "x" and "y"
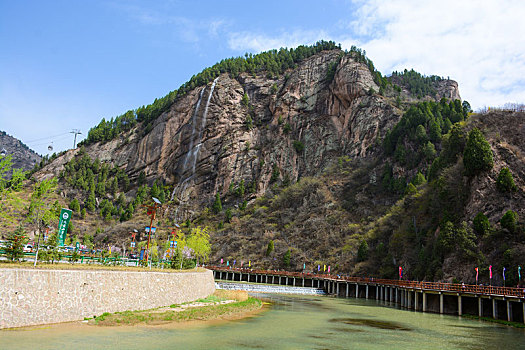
{"x": 430, "y": 186}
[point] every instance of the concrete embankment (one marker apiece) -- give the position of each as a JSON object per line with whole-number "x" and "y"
{"x": 265, "y": 288}
{"x": 31, "y": 297}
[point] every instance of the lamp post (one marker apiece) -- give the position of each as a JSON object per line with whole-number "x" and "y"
{"x": 133, "y": 235}
{"x": 151, "y": 211}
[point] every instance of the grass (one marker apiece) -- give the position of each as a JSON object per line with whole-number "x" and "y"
{"x": 490, "y": 319}
{"x": 66, "y": 266}
{"x": 243, "y": 303}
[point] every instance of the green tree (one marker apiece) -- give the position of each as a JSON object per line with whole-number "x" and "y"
{"x": 435, "y": 132}
{"x": 477, "y": 156}
{"x": 74, "y": 205}
{"x": 15, "y": 244}
{"x": 287, "y": 258}
{"x": 419, "y": 179}
{"x": 83, "y": 213}
{"x": 248, "y": 122}
{"x": 245, "y": 101}
{"x": 90, "y": 202}
{"x": 505, "y": 181}
{"x": 142, "y": 178}
{"x": 429, "y": 151}
{"x": 509, "y": 221}
{"x": 421, "y": 134}
{"x": 228, "y": 215}
{"x": 270, "y": 247}
{"x": 362, "y": 251}
{"x": 41, "y": 209}
{"x": 199, "y": 241}
{"x": 217, "y": 205}
{"x": 481, "y": 224}
{"x": 298, "y": 145}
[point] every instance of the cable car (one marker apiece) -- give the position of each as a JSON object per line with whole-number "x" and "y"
{"x": 50, "y": 147}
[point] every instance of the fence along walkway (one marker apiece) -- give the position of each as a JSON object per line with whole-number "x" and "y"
{"x": 434, "y": 286}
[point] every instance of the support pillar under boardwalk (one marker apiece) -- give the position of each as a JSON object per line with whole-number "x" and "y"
{"x": 416, "y": 301}
{"x": 509, "y": 311}
{"x": 357, "y": 290}
{"x": 366, "y": 294}
{"x": 441, "y": 305}
{"x": 494, "y": 309}
{"x": 460, "y": 308}
{"x": 347, "y": 289}
{"x": 424, "y": 302}
{"x": 480, "y": 306}
{"x": 377, "y": 292}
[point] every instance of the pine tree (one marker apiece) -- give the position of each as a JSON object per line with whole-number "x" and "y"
{"x": 481, "y": 224}
{"x": 509, "y": 221}
{"x": 505, "y": 181}
{"x": 217, "y": 205}
{"x": 477, "y": 156}
{"x": 287, "y": 257}
{"x": 270, "y": 247}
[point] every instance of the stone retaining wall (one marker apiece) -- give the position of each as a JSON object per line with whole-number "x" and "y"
{"x": 32, "y": 297}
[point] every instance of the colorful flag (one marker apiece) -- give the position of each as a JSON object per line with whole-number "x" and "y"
{"x": 318, "y": 268}
{"x": 324, "y": 268}
{"x": 234, "y": 261}
{"x": 228, "y": 263}
{"x": 400, "y": 272}
{"x": 490, "y": 271}
{"x": 304, "y": 266}
{"x": 222, "y": 260}
{"x": 477, "y": 273}
{"x": 250, "y": 263}
{"x": 328, "y": 268}
{"x": 504, "y": 273}
{"x": 242, "y": 262}
{"x": 519, "y": 272}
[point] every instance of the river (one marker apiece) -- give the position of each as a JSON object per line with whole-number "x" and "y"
{"x": 290, "y": 322}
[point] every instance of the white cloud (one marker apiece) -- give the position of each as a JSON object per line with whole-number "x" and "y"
{"x": 478, "y": 43}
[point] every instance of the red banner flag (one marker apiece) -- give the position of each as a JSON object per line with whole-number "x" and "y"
{"x": 400, "y": 272}
{"x": 477, "y": 273}
{"x": 490, "y": 271}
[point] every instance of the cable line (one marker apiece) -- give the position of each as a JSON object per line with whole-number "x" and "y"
{"x": 46, "y": 138}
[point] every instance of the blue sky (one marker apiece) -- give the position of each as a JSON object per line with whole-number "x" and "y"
{"x": 67, "y": 64}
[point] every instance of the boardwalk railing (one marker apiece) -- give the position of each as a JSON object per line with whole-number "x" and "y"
{"x": 434, "y": 286}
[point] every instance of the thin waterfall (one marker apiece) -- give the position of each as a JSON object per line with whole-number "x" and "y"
{"x": 193, "y": 123}
{"x": 195, "y": 144}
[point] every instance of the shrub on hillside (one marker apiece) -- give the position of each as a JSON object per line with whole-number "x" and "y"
{"x": 481, "y": 224}
{"x": 509, "y": 221}
{"x": 505, "y": 182}
{"x": 477, "y": 156}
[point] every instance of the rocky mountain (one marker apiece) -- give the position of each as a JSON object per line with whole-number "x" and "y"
{"x": 258, "y": 130}
{"x": 327, "y": 159}
{"x": 22, "y": 156}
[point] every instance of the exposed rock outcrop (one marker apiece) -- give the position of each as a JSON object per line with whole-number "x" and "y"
{"x": 293, "y": 126}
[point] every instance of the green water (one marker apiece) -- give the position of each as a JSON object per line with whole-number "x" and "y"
{"x": 291, "y": 322}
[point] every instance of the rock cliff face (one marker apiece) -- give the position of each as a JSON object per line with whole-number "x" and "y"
{"x": 22, "y": 156}
{"x": 287, "y": 128}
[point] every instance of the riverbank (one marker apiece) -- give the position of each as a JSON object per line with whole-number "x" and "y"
{"x": 220, "y": 305}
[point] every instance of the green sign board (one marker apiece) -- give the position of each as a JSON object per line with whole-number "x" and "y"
{"x": 65, "y": 216}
